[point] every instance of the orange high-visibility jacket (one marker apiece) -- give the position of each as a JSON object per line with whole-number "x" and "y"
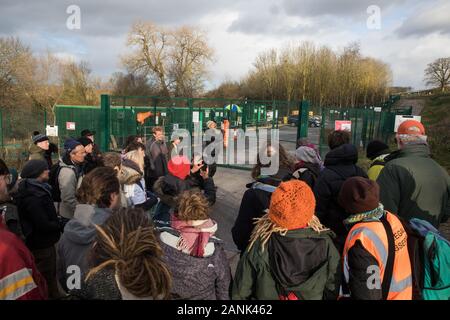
{"x": 373, "y": 238}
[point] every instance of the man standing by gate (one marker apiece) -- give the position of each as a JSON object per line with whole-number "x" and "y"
{"x": 157, "y": 154}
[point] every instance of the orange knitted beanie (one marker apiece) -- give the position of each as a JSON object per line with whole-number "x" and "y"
{"x": 292, "y": 205}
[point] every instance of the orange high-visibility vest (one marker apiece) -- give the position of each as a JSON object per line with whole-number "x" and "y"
{"x": 372, "y": 236}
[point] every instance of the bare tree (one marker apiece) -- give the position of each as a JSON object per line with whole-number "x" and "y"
{"x": 132, "y": 85}
{"x": 437, "y": 73}
{"x": 177, "y": 59}
{"x": 318, "y": 74}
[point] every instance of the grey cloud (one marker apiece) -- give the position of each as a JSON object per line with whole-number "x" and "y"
{"x": 343, "y": 8}
{"x": 102, "y": 18}
{"x": 434, "y": 20}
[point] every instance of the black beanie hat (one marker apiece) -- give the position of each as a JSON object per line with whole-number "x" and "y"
{"x": 359, "y": 195}
{"x": 376, "y": 148}
{"x": 85, "y": 141}
{"x": 33, "y": 169}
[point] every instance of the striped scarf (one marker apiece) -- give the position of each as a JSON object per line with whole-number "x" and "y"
{"x": 372, "y": 215}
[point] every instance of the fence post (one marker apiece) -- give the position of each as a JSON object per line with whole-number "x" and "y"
{"x": 191, "y": 125}
{"x": 302, "y": 128}
{"x": 104, "y": 122}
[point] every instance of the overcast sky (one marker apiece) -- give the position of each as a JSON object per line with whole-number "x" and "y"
{"x": 412, "y": 34}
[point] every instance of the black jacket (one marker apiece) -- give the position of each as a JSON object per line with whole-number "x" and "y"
{"x": 167, "y": 188}
{"x": 90, "y": 163}
{"x": 340, "y": 164}
{"x": 253, "y": 204}
{"x": 309, "y": 173}
{"x": 38, "y": 216}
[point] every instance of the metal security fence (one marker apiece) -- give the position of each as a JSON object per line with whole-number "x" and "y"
{"x": 366, "y": 124}
{"x": 16, "y": 129}
{"x": 118, "y": 116}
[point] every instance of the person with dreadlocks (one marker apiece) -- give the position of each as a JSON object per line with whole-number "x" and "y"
{"x": 128, "y": 261}
{"x": 291, "y": 255}
{"x": 98, "y": 195}
{"x": 195, "y": 257}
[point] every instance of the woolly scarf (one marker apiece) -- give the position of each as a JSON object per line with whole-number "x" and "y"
{"x": 194, "y": 235}
{"x": 371, "y": 215}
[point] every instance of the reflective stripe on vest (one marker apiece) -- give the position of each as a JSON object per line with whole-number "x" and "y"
{"x": 374, "y": 239}
{"x": 16, "y": 284}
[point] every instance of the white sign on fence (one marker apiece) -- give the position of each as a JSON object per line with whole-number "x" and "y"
{"x": 377, "y": 109}
{"x": 175, "y": 126}
{"x": 51, "y": 131}
{"x": 195, "y": 116}
{"x": 70, "y": 125}
{"x": 399, "y": 119}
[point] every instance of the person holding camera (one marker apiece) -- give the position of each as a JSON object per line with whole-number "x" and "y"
{"x": 181, "y": 177}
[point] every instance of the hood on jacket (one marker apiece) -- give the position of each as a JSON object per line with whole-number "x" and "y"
{"x": 314, "y": 167}
{"x": 35, "y": 149}
{"x": 81, "y": 228}
{"x": 32, "y": 187}
{"x": 66, "y": 162}
{"x": 273, "y": 180}
{"x": 298, "y": 259}
{"x": 416, "y": 150}
{"x": 131, "y": 173}
{"x": 343, "y": 155}
{"x": 168, "y": 187}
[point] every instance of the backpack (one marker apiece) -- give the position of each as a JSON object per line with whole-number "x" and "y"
{"x": 430, "y": 261}
{"x": 54, "y": 183}
{"x": 299, "y": 175}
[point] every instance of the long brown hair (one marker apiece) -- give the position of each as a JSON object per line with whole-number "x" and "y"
{"x": 127, "y": 242}
{"x": 97, "y": 187}
{"x": 285, "y": 161}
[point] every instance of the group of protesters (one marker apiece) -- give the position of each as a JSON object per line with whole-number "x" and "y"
{"x": 136, "y": 224}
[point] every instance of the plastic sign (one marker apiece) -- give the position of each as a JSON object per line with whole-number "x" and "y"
{"x": 377, "y": 109}
{"x": 195, "y": 116}
{"x": 51, "y": 131}
{"x": 399, "y": 119}
{"x": 70, "y": 125}
{"x": 343, "y": 125}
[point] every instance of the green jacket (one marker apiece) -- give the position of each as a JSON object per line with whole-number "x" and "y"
{"x": 254, "y": 277}
{"x": 37, "y": 153}
{"x": 412, "y": 185}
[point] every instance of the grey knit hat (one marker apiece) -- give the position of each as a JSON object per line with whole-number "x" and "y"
{"x": 39, "y": 138}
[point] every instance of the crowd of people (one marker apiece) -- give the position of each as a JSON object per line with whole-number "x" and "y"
{"x": 136, "y": 224}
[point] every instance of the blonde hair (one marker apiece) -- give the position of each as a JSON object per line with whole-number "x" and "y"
{"x": 136, "y": 157}
{"x": 192, "y": 205}
{"x": 264, "y": 228}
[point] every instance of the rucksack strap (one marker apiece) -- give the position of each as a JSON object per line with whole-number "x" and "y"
{"x": 389, "y": 268}
{"x": 377, "y": 163}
